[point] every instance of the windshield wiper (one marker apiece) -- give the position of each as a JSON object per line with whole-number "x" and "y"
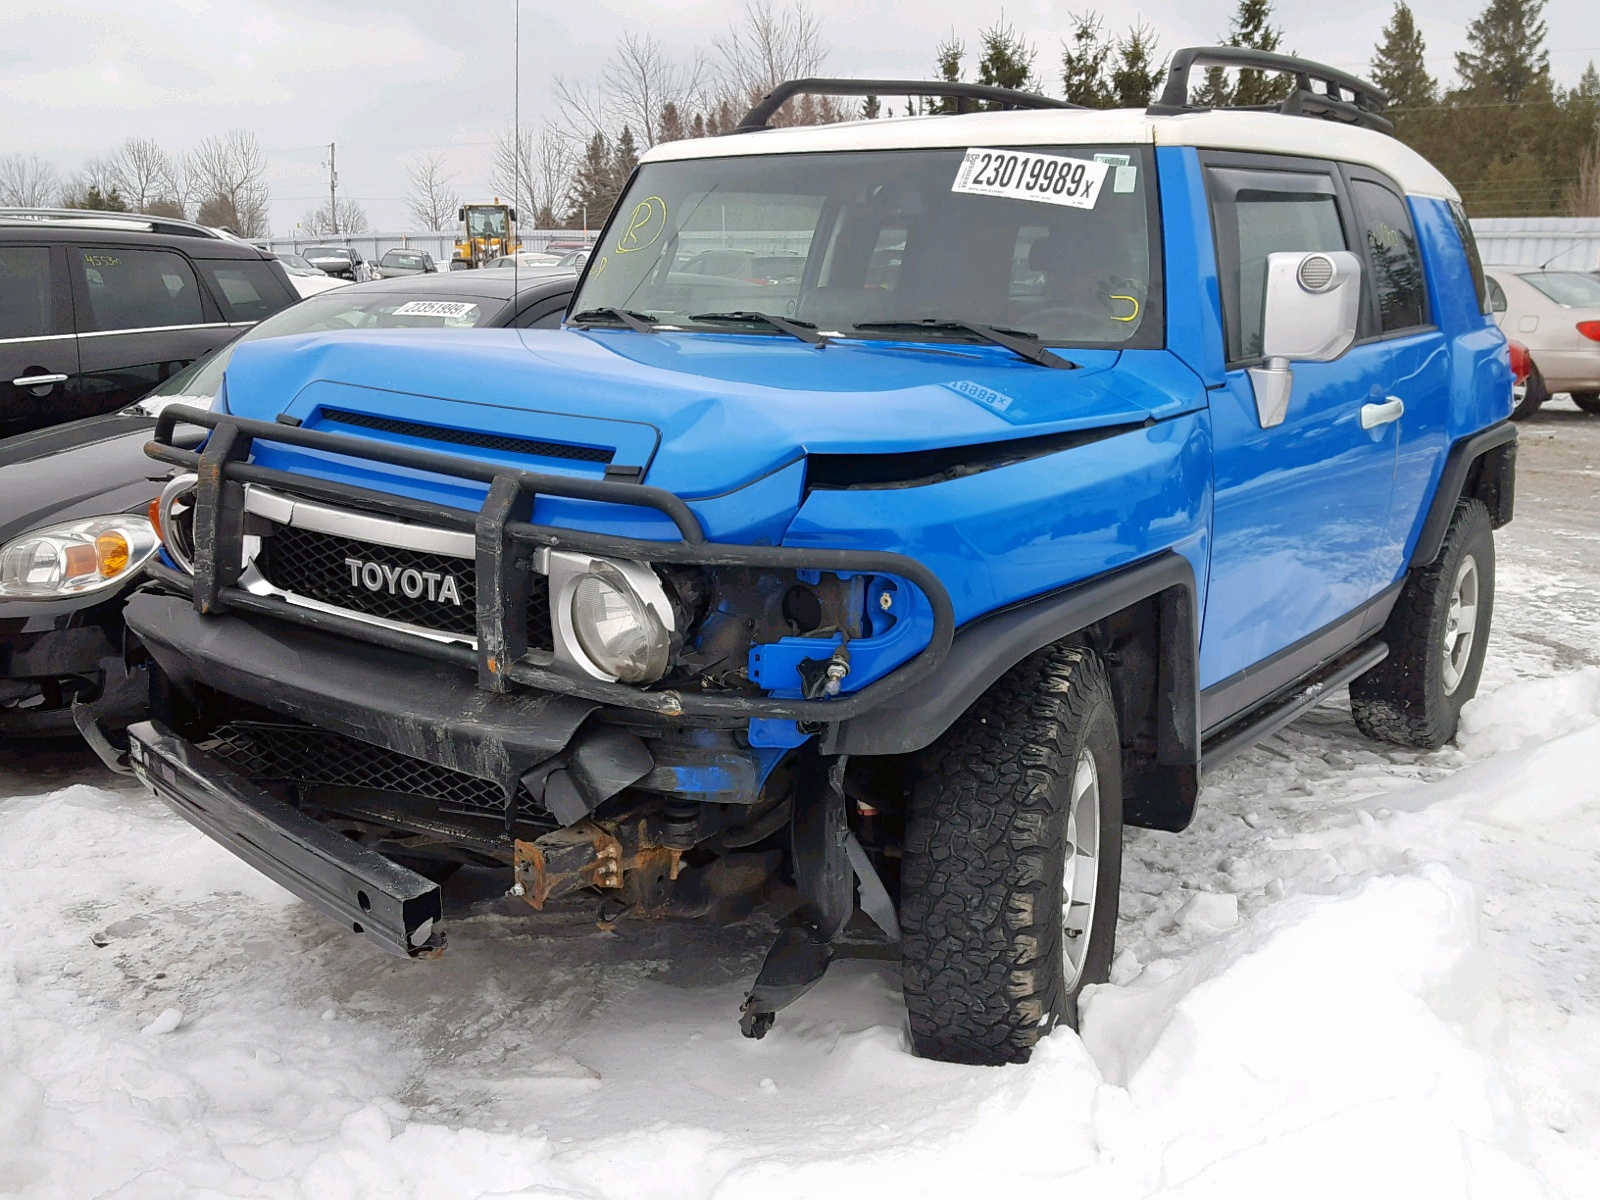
{"x": 804, "y": 330}
{"x": 638, "y": 322}
{"x": 1023, "y": 344}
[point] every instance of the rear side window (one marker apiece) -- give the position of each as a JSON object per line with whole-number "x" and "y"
{"x": 1258, "y": 213}
{"x": 139, "y": 289}
{"x": 1392, "y": 254}
{"x": 27, "y": 300}
{"x": 247, "y": 290}
{"x": 1497, "y": 295}
{"x": 1474, "y": 262}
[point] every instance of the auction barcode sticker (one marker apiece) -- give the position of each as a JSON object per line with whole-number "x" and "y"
{"x": 1019, "y": 175}
{"x": 436, "y": 308}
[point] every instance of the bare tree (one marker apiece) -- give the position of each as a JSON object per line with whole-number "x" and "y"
{"x": 769, "y": 46}
{"x": 90, "y": 186}
{"x": 232, "y": 169}
{"x": 27, "y": 181}
{"x": 352, "y": 219}
{"x": 536, "y": 175}
{"x": 1583, "y": 195}
{"x": 144, "y": 173}
{"x": 430, "y": 199}
{"x": 640, "y": 81}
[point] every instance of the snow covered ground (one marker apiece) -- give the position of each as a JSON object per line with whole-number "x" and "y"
{"x": 1364, "y": 972}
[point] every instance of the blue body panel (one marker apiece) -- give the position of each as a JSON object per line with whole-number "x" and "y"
{"x": 1287, "y": 529}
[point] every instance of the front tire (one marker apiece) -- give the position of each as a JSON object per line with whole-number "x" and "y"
{"x": 1013, "y": 862}
{"x": 1588, "y": 401}
{"x": 1437, "y": 636}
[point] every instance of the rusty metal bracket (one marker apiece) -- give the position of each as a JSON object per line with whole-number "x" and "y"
{"x": 620, "y": 859}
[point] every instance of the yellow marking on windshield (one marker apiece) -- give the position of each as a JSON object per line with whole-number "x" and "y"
{"x": 649, "y": 217}
{"x": 1134, "y": 316}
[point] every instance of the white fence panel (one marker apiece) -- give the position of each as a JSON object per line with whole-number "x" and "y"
{"x": 1565, "y": 243}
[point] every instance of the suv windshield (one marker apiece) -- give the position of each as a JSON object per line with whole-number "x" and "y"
{"x": 402, "y": 258}
{"x": 1057, "y": 242}
{"x": 1572, "y": 288}
{"x": 342, "y": 309}
{"x": 325, "y": 252}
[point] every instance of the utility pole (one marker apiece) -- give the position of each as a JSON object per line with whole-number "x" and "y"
{"x": 333, "y": 191}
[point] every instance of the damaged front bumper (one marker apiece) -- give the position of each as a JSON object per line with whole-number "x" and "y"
{"x": 393, "y": 907}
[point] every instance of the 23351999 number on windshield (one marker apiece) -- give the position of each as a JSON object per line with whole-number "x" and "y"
{"x": 1019, "y": 175}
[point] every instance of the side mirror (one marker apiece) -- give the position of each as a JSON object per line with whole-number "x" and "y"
{"x": 1310, "y": 313}
{"x": 461, "y": 214}
{"x": 512, "y": 213}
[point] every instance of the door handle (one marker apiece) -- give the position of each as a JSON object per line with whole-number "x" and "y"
{"x": 38, "y": 380}
{"x": 1373, "y": 415}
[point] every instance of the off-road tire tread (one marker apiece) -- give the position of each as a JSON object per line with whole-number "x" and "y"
{"x": 1402, "y": 700}
{"x": 980, "y": 915}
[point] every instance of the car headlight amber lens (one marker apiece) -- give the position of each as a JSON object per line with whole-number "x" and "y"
{"x": 618, "y": 631}
{"x": 83, "y": 556}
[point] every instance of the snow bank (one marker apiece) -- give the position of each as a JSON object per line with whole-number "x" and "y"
{"x": 1362, "y": 973}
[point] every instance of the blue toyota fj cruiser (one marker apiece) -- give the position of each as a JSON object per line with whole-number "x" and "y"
{"x": 904, "y": 506}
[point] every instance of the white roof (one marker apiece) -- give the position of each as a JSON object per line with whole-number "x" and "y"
{"x": 1269, "y": 133}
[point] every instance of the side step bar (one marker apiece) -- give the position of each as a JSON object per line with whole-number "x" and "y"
{"x": 1277, "y": 711}
{"x": 366, "y": 892}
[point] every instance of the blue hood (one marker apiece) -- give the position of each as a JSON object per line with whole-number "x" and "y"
{"x": 703, "y": 413}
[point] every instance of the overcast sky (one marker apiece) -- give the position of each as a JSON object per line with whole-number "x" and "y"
{"x": 388, "y": 79}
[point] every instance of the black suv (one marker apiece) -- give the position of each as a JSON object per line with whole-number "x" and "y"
{"x": 98, "y": 308}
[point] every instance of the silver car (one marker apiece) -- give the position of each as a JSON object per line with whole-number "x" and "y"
{"x": 1556, "y": 315}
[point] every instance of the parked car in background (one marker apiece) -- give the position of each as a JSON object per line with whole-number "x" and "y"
{"x": 98, "y": 308}
{"x": 566, "y": 245}
{"x": 525, "y": 259}
{"x": 1556, "y": 315}
{"x": 401, "y": 261}
{"x": 307, "y": 279}
{"x": 343, "y": 262}
{"x": 67, "y": 491}
{"x": 573, "y": 260}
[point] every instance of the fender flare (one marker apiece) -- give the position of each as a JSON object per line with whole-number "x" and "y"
{"x": 986, "y": 648}
{"x": 1482, "y": 465}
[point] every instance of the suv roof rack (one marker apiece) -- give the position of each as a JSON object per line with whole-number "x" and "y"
{"x": 1345, "y": 97}
{"x": 93, "y": 218}
{"x": 963, "y": 94}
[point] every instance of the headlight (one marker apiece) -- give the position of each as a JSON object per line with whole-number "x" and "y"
{"x": 82, "y": 556}
{"x": 616, "y": 620}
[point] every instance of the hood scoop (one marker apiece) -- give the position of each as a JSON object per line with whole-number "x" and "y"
{"x": 337, "y": 420}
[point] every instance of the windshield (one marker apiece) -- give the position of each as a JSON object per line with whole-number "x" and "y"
{"x": 294, "y": 262}
{"x": 343, "y": 309}
{"x": 486, "y": 222}
{"x": 1057, "y": 242}
{"x": 402, "y": 258}
{"x": 326, "y": 252}
{"x": 1572, "y": 288}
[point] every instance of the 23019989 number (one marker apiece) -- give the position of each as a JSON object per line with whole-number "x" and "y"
{"x": 1057, "y": 176}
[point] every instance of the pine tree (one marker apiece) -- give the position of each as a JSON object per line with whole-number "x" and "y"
{"x": 1007, "y": 60}
{"x": 1137, "y": 74}
{"x": 947, "y": 61}
{"x": 671, "y": 127}
{"x": 1398, "y": 65}
{"x": 1251, "y": 27}
{"x": 593, "y": 186}
{"x": 870, "y": 108}
{"x": 1083, "y": 63}
{"x": 1507, "y": 62}
{"x": 624, "y": 158}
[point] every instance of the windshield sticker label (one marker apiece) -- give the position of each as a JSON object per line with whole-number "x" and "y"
{"x": 1018, "y": 175}
{"x": 436, "y": 308}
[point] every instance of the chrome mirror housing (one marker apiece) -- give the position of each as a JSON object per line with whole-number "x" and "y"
{"x": 1310, "y": 313}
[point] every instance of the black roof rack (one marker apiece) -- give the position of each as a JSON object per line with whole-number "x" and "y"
{"x": 964, "y": 94}
{"x": 1345, "y": 98}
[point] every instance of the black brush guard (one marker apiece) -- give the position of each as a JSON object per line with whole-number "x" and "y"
{"x": 503, "y": 536}
{"x": 392, "y": 906}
